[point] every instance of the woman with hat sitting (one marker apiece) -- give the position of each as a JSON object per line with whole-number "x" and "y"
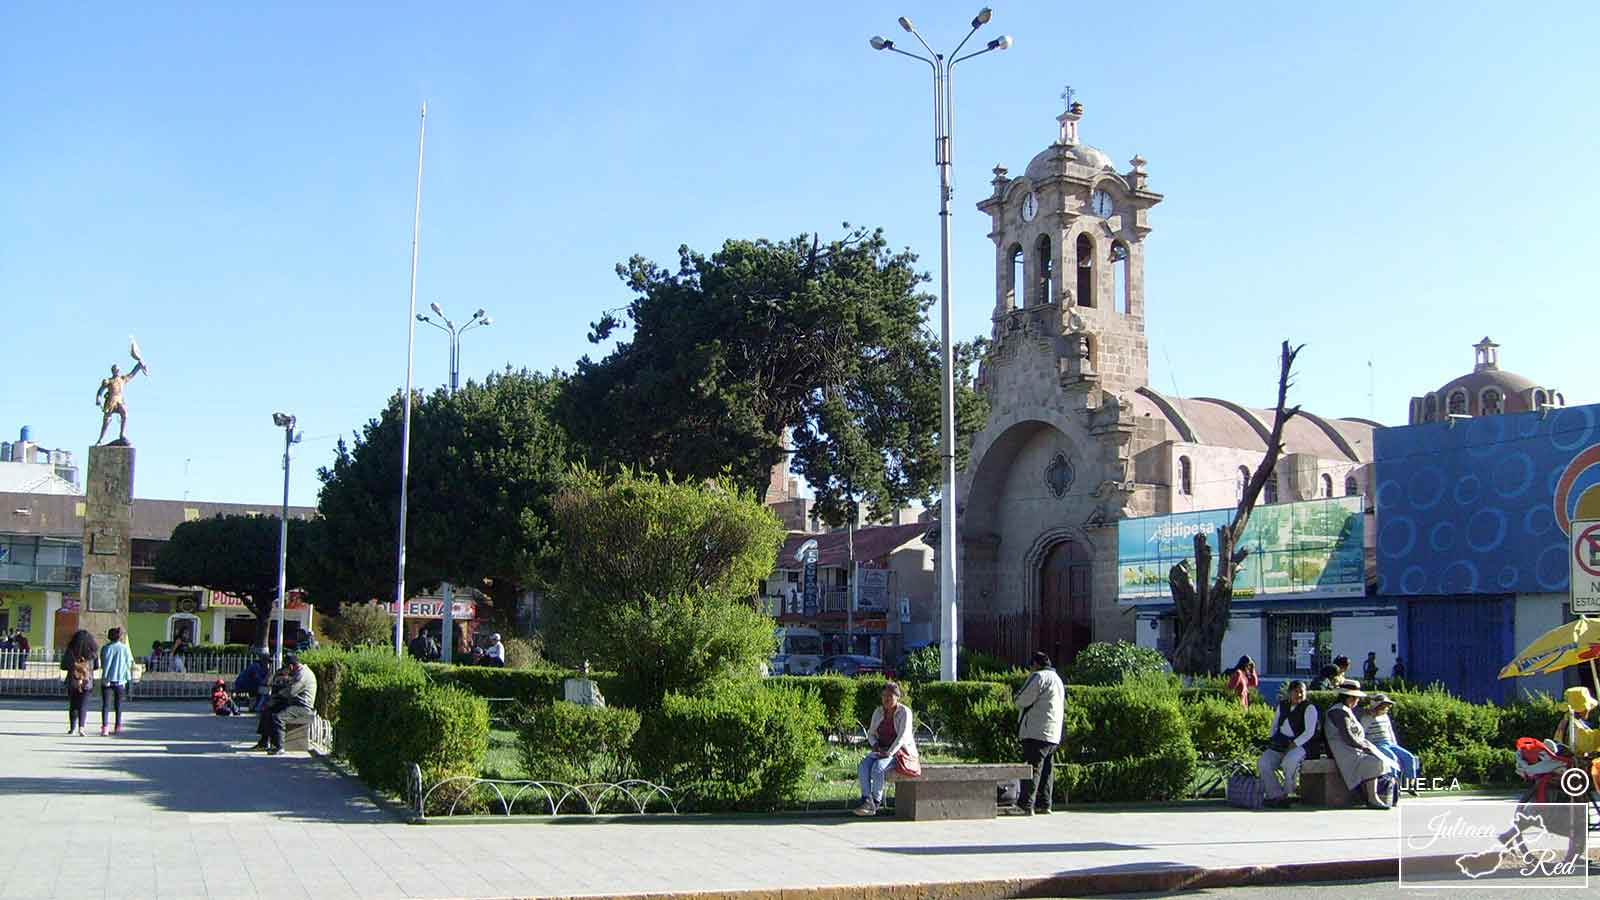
{"x": 1361, "y": 764}
{"x": 1380, "y": 728}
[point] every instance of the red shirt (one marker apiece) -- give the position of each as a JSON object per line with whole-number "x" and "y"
{"x": 1240, "y": 683}
{"x": 886, "y": 732}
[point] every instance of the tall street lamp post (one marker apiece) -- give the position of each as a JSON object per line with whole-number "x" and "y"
{"x": 290, "y": 438}
{"x": 447, "y": 619}
{"x": 943, "y": 118}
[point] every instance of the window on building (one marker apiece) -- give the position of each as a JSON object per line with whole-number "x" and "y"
{"x": 1299, "y": 644}
{"x": 1120, "y": 298}
{"x": 1457, "y": 405}
{"x": 1269, "y": 491}
{"x": 1018, "y": 278}
{"x": 1540, "y": 398}
{"x": 1430, "y": 408}
{"x": 1085, "y": 248}
{"x": 1492, "y": 402}
{"x": 1185, "y": 477}
{"x": 1041, "y": 250}
{"x": 1244, "y": 481}
{"x": 1327, "y": 485}
{"x": 1351, "y": 486}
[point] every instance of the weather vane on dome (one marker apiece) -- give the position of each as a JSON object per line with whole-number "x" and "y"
{"x": 1068, "y": 95}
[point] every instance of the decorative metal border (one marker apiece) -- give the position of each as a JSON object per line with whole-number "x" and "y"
{"x": 557, "y": 794}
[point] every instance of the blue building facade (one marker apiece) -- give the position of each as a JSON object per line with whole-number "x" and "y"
{"x": 1472, "y": 517}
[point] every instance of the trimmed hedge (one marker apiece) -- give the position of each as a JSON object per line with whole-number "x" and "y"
{"x": 869, "y": 696}
{"x": 1165, "y": 776}
{"x": 947, "y": 703}
{"x": 1222, "y": 729}
{"x": 391, "y": 719}
{"x": 332, "y": 667}
{"x": 1112, "y": 662}
{"x": 836, "y": 693}
{"x": 529, "y": 687}
{"x": 577, "y": 744}
{"x": 742, "y": 748}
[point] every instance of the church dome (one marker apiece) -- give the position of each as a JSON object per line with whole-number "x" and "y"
{"x": 1042, "y": 165}
{"x": 1485, "y": 391}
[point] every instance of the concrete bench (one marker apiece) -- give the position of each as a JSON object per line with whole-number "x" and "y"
{"x": 959, "y": 791}
{"x": 297, "y": 735}
{"x": 1321, "y": 784}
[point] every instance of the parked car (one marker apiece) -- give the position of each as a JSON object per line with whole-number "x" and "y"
{"x": 853, "y": 665}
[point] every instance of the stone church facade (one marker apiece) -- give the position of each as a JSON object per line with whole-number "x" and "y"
{"x": 1076, "y": 438}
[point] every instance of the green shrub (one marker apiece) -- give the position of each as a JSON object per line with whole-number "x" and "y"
{"x": 1123, "y": 721}
{"x": 976, "y": 665}
{"x": 529, "y": 687}
{"x": 1104, "y": 662}
{"x": 1435, "y": 722}
{"x": 744, "y": 747}
{"x": 944, "y": 704}
{"x": 987, "y": 731}
{"x": 1165, "y": 776}
{"x": 1222, "y": 729}
{"x": 837, "y": 694}
{"x": 1472, "y": 763}
{"x": 921, "y": 665}
{"x": 332, "y": 666}
{"x": 524, "y": 653}
{"x": 360, "y": 625}
{"x": 1532, "y": 715}
{"x": 394, "y": 718}
{"x": 577, "y": 744}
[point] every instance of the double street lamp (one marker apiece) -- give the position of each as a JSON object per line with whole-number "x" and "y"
{"x": 290, "y": 438}
{"x": 447, "y": 619}
{"x": 943, "y": 119}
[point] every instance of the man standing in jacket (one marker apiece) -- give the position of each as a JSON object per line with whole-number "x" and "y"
{"x": 294, "y": 697}
{"x": 1042, "y": 700}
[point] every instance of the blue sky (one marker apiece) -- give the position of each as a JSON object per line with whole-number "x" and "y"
{"x": 1381, "y": 181}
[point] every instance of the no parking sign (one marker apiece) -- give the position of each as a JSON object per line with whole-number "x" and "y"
{"x": 1585, "y": 560}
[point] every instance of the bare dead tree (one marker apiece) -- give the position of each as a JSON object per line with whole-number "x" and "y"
{"x": 1203, "y": 602}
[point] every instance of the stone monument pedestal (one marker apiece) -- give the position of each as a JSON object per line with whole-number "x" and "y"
{"x": 107, "y": 539}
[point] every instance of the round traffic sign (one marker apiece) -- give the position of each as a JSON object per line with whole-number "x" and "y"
{"x": 1586, "y": 549}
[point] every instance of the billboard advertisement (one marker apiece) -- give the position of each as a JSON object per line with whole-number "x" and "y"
{"x": 1484, "y": 505}
{"x": 1307, "y": 549}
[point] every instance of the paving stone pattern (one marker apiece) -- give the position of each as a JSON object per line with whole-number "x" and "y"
{"x": 175, "y": 808}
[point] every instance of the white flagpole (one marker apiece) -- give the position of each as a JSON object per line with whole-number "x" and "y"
{"x": 405, "y": 428}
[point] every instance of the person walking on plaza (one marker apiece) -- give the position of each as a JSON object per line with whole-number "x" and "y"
{"x": 1380, "y": 728}
{"x": 1369, "y": 669}
{"x": 1292, "y": 729}
{"x": 893, "y": 745}
{"x": 1398, "y": 673}
{"x": 1242, "y": 679}
{"x": 1043, "y": 701}
{"x": 294, "y": 696}
{"x": 116, "y": 670}
{"x": 78, "y": 660}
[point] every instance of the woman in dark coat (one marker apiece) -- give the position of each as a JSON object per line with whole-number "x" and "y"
{"x": 79, "y": 660}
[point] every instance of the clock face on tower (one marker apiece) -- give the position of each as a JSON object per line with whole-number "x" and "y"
{"x": 1030, "y": 207}
{"x": 1102, "y": 204}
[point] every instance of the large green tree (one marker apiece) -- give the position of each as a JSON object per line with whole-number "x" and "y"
{"x": 656, "y": 581}
{"x": 237, "y": 555}
{"x": 485, "y": 464}
{"x": 826, "y": 341}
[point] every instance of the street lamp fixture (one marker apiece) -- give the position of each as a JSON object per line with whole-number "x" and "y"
{"x": 480, "y": 319}
{"x": 943, "y": 121}
{"x": 290, "y": 438}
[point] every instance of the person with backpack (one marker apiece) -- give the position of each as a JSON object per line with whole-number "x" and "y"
{"x": 1043, "y": 701}
{"x": 78, "y": 661}
{"x": 116, "y": 670}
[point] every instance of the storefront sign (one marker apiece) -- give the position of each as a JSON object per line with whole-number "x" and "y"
{"x": 1312, "y": 548}
{"x": 808, "y": 559}
{"x": 149, "y": 605}
{"x": 297, "y": 600}
{"x": 433, "y": 608}
{"x": 873, "y": 592}
{"x": 70, "y": 603}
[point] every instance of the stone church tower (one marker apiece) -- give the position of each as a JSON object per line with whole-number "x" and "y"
{"x": 1076, "y": 439}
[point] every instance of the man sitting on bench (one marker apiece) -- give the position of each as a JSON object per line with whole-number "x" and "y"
{"x": 294, "y": 695}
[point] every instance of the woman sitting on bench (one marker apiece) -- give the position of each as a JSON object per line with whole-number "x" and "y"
{"x": 893, "y": 744}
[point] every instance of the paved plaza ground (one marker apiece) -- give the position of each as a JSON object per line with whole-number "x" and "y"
{"x": 174, "y": 808}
